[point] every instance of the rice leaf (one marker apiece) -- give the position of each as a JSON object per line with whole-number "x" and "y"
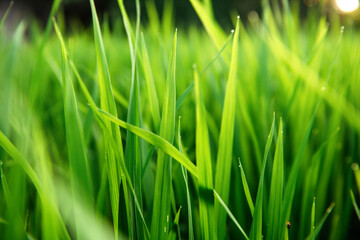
{"x": 161, "y": 207}
{"x": 185, "y": 176}
{"x": 151, "y": 89}
{"x": 203, "y": 161}
{"x": 246, "y": 189}
{"x": 19, "y": 159}
{"x": 133, "y": 151}
{"x": 275, "y": 222}
{"x": 222, "y": 203}
{"x": 224, "y": 157}
{"x": 211, "y": 26}
{"x": 312, "y": 222}
{"x": 256, "y": 226}
{"x": 108, "y": 104}
{"x": 79, "y": 167}
{"x": 357, "y": 210}
{"x": 321, "y": 223}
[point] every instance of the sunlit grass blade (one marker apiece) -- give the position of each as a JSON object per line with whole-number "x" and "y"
{"x": 213, "y": 29}
{"x": 203, "y": 162}
{"x": 79, "y": 167}
{"x": 151, "y": 89}
{"x": 161, "y": 207}
{"x": 246, "y": 189}
{"x": 357, "y": 210}
{"x": 185, "y": 176}
{"x": 108, "y": 104}
{"x": 225, "y": 149}
{"x": 227, "y": 210}
{"x": 256, "y": 226}
{"x": 276, "y": 190}
{"x": 321, "y": 223}
{"x": 5, "y": 14}
{"x": 133, "y": 151}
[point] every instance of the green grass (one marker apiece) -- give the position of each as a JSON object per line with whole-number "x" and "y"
{"x": 270, "y": 133}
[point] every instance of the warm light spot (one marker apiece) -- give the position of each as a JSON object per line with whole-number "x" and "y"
{"x": 347, "y": 5}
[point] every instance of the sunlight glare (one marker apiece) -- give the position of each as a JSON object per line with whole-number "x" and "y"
{"x": 347, "y": 5}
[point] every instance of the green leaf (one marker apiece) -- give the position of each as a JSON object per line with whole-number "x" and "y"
{"x": 185, "y": 176}
{"x": 224, "y": 157}
{"x": 161, "y": 207}
{"x": 256, "y": 226}
{"x": 108, "y": 104}
{"x": 222, "y": 203}
{"x": 246, "y": 189}
{"x": 275, "y": 223}
{"x": 357, "y": 210}
{"x": 203, "y": 161}
{"x": 321, "y": 223}
{"x": 79, "y": 167}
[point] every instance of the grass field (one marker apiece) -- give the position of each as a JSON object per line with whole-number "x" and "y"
{"x": 146, "y": 131}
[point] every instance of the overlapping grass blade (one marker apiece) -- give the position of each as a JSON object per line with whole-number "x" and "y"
{"x": 185, "y": 176}
{"x": 203, "y": 162}
{"x": 256, "y": 226}
{"x": 224, "y": 157}
{"x": 79, "y": 167}
{"x": 133, "y": 151}
{"x": 108, "y": 104}
{"x": 112, "y": 143}
{"x": 321, "y": 223}
{"x": 275, "y": 223}
{"x": 161, "y": 206}
{"x": 246, "y": 189}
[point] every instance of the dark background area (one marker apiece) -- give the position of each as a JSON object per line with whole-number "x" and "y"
{"x": 182, "y": 10}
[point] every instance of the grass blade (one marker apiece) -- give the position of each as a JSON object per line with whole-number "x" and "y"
{"x": 161, "y": 207}
{"x": 224, "y": 157}
{"x": 246, "y": 189}
{"x": 203, "y": 161}
{"x": 312, "y": 223}
{"x": 152, "y": 95}
{"x": 276, "y": 190}
{"x": 185, "y": 176}
{"x": 321, "y": 223}
{"x": 133, "y": 151}
{"x": 256, "y": 226}
{"x": 79, "y": 167}
{"x": 222, "y": 203}
{"x": 108, "y": 104}
{"x": 357, "y": 210}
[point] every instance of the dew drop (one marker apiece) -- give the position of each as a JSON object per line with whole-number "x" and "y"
{"x": 323, "y": 89}
{"x": 232, "y": 30}
{"x": 342, "y": 29}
